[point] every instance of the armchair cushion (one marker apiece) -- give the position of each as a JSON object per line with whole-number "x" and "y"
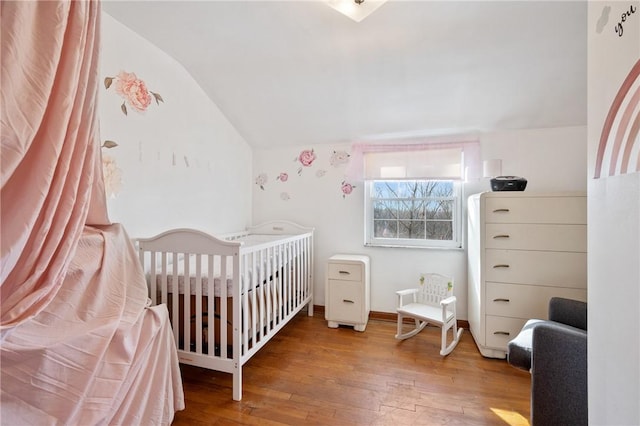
{"x": 519, "y": 349}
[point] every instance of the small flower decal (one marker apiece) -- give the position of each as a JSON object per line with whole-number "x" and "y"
{"x": 346, "y": 188}
{"x": 321, "y": 173}
{"x": 261, "y": 180}
{"x": 283, "y": 177}
{"x": 133, "y": 90}
{"x": 112, "y": 176}
{"x": 284, "y": 196}
{"x": 306, "y": 158}
{"x": 338, "y": 158}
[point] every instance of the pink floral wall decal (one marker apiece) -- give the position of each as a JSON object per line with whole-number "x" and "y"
{"x": 346, "y": 188}
{"x": 133, "y": 90}
{"x": 283, "y": 177}
{"x": 112, "y": 176}
{"x": 338, "y": 158}
{"x": 306, "y": 158}
{"x": 261, "y": 180}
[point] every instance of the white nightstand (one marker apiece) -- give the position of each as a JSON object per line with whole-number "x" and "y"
{"x": 347, "y": 291}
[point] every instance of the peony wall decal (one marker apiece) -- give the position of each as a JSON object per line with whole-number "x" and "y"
{"x": 339, "y": 158}
{"x": 261, "y": 180}
{"x": 133, "y": 90}
{"x": 346, "y": 188}
{"x": 306, "y": 158}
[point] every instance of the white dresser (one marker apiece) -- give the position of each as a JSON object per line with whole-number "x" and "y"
{"x": 523, "y": 249}
{"x": 347, "y": 291}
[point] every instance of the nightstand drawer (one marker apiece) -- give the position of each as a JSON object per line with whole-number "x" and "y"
{"x": 346, "y": 301}
{"x": 345, "y": 271}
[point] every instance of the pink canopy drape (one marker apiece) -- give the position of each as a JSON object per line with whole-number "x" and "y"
{"x": 79, "y": 344}
{"x": 50, "y": 148}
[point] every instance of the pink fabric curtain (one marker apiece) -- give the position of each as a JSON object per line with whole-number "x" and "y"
{"x": 50, "y": 164}
{"x": 79, "y": 343}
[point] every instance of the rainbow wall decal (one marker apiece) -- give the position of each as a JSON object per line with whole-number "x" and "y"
{"x": 619, "y": 149}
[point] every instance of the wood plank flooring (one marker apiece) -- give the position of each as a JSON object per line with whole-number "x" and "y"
{"x": 310, "y": 374}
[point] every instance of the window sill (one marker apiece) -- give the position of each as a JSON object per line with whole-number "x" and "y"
{"x": 398, "y": 246}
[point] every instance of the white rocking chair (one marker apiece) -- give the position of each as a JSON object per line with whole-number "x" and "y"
{"x": 432, "y": 302}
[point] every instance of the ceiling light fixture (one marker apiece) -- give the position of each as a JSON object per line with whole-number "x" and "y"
{"x": 355, "y": 9}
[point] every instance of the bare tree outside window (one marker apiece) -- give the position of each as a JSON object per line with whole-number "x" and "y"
{"x": 414, "y": 210}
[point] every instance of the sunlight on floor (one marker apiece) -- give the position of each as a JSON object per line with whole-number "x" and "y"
{"x": 510, "y": 417}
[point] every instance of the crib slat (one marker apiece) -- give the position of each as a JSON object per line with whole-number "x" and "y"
{"x": 186, "y": 300}
{"x": 224, "y": 315}
{"x": 245, "y": 303}
{"x": 211, "y": 329}
{"x": 198, "y": 313}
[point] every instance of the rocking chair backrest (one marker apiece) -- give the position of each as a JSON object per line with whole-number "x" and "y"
{"x": 434, "y": 288}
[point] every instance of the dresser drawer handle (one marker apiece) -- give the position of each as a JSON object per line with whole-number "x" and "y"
{"x": 501, "y": 333}
{"x": 501, "y": 300}
{"x": 344, "y": 272}
{"x": 495, "y": 237}
{"x": 501, "y": 265}
{"x": 501, "y": 211}
{"x": 347, "y": 301}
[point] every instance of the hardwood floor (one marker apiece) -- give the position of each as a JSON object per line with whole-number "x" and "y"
{"x": 310, "y": 374}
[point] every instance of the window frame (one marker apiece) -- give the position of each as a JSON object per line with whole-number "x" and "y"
{"x": 457, "y": 218}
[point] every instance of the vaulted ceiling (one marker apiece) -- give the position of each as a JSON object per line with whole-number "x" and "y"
{"x": 298, "y": 72}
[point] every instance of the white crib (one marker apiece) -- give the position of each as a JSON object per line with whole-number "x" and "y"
{"x": 265, "y": 275}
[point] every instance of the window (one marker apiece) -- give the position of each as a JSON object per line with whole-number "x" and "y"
{"x": 413, "y": 190}
{"x": 413, "y": 213}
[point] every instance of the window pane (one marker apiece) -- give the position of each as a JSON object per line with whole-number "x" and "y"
{"x": 385, "y": 229}
{"x": 385, "y": 209}
{"x": 411, "y": 229}
{"x": 385, "y": 189}
{"x": 440, "y": 230}
{"x": 439, "y": 209}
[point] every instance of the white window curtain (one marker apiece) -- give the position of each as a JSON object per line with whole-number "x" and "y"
{"x": 452, "y": 159}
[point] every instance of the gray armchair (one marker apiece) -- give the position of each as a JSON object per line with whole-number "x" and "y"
{"x": 555, "y": 352}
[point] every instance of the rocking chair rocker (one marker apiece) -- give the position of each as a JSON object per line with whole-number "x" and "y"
{"x": 432, "y": 303}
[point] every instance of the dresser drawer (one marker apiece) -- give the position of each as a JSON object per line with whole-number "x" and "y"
{"x": 501, "y": 330}
{"x": 536, "y": 237}
{"x": 345, "y": 301}
{"x": 525, "y": 301}
{"x": 558, "y": 269}
{"x": 560, "y": 210}
{"x": 345, "y": 271}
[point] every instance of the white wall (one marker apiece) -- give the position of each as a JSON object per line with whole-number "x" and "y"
{"x": 614, "y": 230}
{"x": 182, "y": 163}
{"x": 551, "y": 159}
